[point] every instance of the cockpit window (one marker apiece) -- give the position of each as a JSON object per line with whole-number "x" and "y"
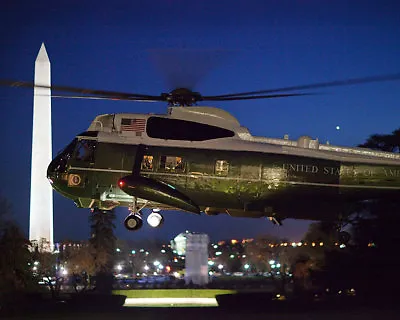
{"x": 59, "y": 164}
{"x": 85, "y": 150}
{"x": 175, "y": 129}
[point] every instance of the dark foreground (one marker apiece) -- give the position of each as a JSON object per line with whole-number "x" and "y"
{"x": 215, "y": 313}
{"x": 236, "y": 306}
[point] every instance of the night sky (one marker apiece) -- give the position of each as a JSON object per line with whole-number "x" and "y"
{"x": 214, "y": 46}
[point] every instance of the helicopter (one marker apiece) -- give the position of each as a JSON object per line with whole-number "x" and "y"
{"x": 200, "y": 159}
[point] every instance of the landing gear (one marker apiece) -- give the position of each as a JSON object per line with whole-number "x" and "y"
{"x": 275, "y": 220}
{"x": 344, "y": 237}
{"x": 134, "y": 220}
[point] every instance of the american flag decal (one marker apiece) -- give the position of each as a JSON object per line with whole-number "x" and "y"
{"x": 135, "y": 125}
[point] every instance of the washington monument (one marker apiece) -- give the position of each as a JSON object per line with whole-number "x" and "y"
{"x": 41, "y": 205}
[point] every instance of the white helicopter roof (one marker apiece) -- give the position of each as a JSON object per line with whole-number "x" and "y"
{"x": 305, "y": 145}
{"x": 208, "y": 115}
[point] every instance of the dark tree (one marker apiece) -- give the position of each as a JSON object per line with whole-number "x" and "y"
{"x": 384, "y": 142}
{"x": 46, "y": 269}
{"x": 369, "y": 263}
{"x": 102, "y": 242}
{"x": 15, "y": 257}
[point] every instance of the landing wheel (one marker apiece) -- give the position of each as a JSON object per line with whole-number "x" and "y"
{"x": 155, "y": 219}
{"x": 344, "y": 237}
{"x": 133, "y": 222}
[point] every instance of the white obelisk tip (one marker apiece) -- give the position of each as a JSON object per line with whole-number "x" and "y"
{"x": 42, "y": 55}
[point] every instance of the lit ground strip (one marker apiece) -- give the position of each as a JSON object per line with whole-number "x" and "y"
{"x": 144, "y": 302}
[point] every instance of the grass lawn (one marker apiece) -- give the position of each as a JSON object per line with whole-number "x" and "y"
{"x": 172, "y": 293}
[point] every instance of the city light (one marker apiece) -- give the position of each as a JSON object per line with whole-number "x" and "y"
{"x": 133, "y": 251}
{"x": 119, "y": 267}
{"x": 246, "y": 266}
{"x": 210, "y": 263}
{"x": 156, "y": 263}
{"x": 146, "y": 267}
{"x": 118, "y": 250}
{"x": 220, "y": 266}
{"x": 271, "y": 261}
{"x": 218, "y": 253}
{"x": 65, "y": 272}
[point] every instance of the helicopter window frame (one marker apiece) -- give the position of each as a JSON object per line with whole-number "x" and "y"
{"x": 172, "y": 164}
{"x": 85, "y": 150}
{"x": 177, "y": 129}
{"x": 147, "y": 163}
{"x": 221, "y": 168}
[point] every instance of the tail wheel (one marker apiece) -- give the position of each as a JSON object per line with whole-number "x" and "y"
{"x": 344, "y": 237}
{"x": 133, "y": 222}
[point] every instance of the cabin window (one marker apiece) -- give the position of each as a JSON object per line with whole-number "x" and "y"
{"x": 172, "y": 164}
{"x": 221, "y": 167}
{"x": 85, "y": 150}
{"x": 147, "y": 163}
{"x": 175, "y": 129}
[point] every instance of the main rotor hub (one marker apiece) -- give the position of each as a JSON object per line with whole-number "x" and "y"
{"x": 182, "y": 97}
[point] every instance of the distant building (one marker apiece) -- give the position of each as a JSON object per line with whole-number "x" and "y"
{"x": 195, "y": 248}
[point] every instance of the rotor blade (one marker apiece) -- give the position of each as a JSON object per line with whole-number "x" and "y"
{"x": 337, "y": 83}
{"x": 269, "y": 96}
{"x": 185, "y": 68}
{"x": 104, "y": 98}
{"x": 104, "y": 93}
